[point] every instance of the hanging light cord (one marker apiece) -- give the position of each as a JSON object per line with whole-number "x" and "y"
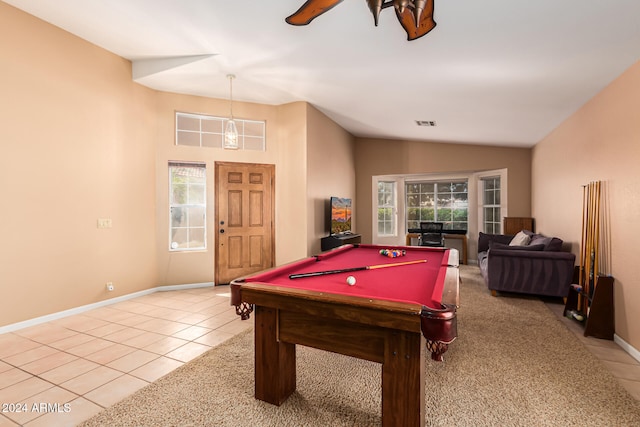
{"x": 231, "y": 76}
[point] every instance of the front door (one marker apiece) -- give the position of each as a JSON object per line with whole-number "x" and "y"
{"x": 244, "y": 218}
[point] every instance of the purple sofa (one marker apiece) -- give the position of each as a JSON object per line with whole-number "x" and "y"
{"x": 538, "y": 268}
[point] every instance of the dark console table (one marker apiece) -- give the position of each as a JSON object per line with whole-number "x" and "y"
{"x": 448, "y": 234}
{"x": 336, "y": 240}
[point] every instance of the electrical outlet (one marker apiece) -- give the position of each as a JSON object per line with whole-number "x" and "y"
{"x": 110, "y": 286}
{"x": 104, "y": 223}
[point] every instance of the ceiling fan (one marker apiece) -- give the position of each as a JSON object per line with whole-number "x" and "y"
{"x": 415, "y": 16}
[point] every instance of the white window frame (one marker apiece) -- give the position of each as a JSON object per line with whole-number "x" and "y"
{"x": 202, "y": 205}
{"x": 480, "y": 176}
{"x": 474, "y": 193}
{"x": 393, "y": 206}
{"x": 436, "y": 181}
{"x": 385, "y": 239}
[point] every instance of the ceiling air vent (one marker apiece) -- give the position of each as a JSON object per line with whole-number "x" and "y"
{"x": 425, "y": 123}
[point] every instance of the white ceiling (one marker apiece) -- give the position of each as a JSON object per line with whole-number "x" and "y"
{"x": 499, "y": 72}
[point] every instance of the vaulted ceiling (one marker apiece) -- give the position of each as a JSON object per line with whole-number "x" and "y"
{"x": 499, "y": 72}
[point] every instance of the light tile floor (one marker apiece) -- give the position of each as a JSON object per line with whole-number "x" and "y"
{"x": 624, "y": 368}
{"x": 65, "y": 371}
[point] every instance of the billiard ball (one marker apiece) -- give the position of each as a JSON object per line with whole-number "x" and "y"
{"x": 351, "y": 280}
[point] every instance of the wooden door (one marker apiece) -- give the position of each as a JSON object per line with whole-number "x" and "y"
{"x": 244, "y": 218}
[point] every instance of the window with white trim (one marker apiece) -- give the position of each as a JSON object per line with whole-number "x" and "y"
{"x": 440, "y": 201}
{"x": 386, "y": 208}
{"x": 491, "y": 207}
{"x": 199, "y": 130}
{"x": 187, "y": 206}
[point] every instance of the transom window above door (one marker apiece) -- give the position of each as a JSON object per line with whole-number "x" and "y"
{"x": 200, "y": 130}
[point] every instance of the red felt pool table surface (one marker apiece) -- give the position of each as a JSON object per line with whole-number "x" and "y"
{"x": 390, "y": 316}
{"x": 420, "y": 283}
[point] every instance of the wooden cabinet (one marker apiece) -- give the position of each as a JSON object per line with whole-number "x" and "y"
{"x": 513, "y": 225}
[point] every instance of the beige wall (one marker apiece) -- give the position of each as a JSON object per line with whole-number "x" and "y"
{"x": 81, "y": 141}
{"x": 600, "y": 142}
{"x": 396, "y": 157}
{"x": 291, "y": 184}
{"x": 73, "y": 151}
{"x": 330, "y": 163}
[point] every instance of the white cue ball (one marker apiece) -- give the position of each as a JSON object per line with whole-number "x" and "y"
{"x": 351, "y": 280}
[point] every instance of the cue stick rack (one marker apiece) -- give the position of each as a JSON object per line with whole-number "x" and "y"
{"x": 590, "y": 298}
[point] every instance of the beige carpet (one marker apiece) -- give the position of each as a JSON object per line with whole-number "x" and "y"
{"x": 514, "y": 364}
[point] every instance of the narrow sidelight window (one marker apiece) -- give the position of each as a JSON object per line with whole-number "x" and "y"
{"x": 492, "y": 221}
{"x": 187, "y": 206}
{"x": 386, "y": 208}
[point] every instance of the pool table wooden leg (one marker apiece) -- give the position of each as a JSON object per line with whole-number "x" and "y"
{"x": 403, "y": 376}
{"x": 275, "y": 361}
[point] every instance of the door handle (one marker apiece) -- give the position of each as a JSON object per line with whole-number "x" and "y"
{"x": 222, "y": 231}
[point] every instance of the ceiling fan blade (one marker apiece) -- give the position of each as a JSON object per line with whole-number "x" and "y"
{"x": 407, "y": 20}
{"x": 310, "y": 10}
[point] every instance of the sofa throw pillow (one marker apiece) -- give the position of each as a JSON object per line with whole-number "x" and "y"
{"x": 539, "y": 239}
{"x": 483, "y": 242}
{"x": 485, "y": 239}
{"x": 495, "y": 245}
{"x": 520, "y": 239}
{"x": 553, "y": 244}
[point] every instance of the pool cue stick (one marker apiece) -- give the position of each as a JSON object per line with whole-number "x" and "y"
{"x": 594, "y": 241}
{"x": 589, "y": 249}
{"x": 593, "y": 247}
{"x": 347, "y": 270}
{"x": 585, "y": 287}
{"x": 596, "y": 262}
{"x": 587, "y": 255}
{"x": 582, "y": 242}
{"x": 585, "y": 234}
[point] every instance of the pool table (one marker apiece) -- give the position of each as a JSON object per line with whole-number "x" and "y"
{"x": 391, "y": 315}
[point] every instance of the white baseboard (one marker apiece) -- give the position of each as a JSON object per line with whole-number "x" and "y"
{"x": 77, "y": 310}
{"x": 633, "y": 352}
{"x": 182, "y": 287}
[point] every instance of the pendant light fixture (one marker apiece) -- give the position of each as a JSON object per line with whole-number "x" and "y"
{"x": 231, "y": 131}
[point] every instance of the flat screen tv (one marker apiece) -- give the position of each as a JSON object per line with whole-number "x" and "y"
{"x": 340, "y": 215}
